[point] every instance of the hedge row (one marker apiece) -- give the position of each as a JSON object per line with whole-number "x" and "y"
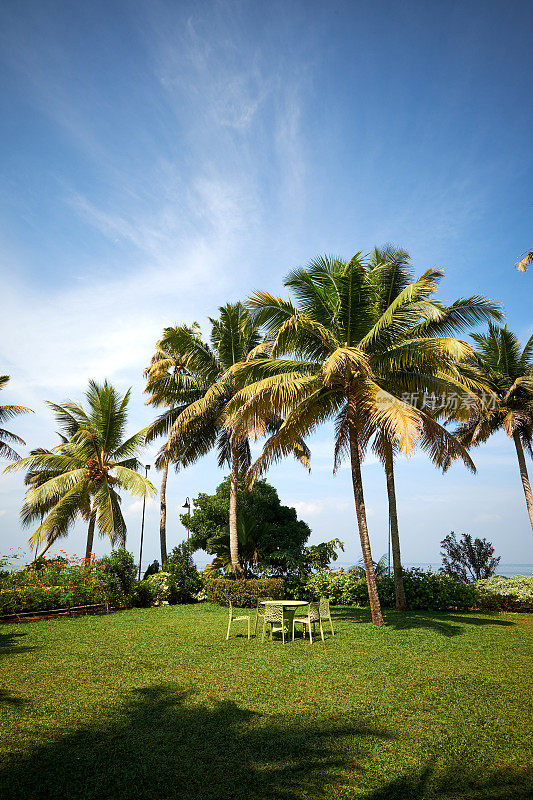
{"x": 15, "y": 600}
{"x": 423, "y": 590}
{"x": 505, "y": 594}
{"x": 243, "y": 593}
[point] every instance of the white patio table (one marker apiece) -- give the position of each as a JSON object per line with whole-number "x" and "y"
{"x": 289, "y": 605}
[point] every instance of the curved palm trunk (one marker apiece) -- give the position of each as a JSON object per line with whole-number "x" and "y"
{"x": 399, "y": 590}
{"x": 43, "y": 551}
{"x": 233, "y": 535}
{"x": 90, "y": 535}
{"x": 525, "y": 477}
{"x": 163, "y": 514}
{"x": 375, "y": 607}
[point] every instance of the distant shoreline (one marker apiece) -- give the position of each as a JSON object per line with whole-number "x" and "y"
{"x": 507, "y": 569}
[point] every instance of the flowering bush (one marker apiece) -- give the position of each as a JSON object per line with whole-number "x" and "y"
{"x": 160, "y": 585}
{"x": 505, "y": 594}
{"x": 56, "y": 583}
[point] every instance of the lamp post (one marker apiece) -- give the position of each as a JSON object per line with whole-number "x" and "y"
{"x": 187, "y": 505}
{"x": 147, "y": 467}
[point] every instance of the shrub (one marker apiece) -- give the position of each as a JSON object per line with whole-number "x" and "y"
{"x": 142, "y": 595}
{"x": 505, "y": 594}
{"x": 161, "y": 587}
{"x": 243, "y": 593}
{"x": 185, "y": 581}
{"x": 424, "y": 590}
{"x": 120, "y": 577}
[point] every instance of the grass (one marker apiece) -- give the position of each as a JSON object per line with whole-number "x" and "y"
{"x": 154, "y": 704}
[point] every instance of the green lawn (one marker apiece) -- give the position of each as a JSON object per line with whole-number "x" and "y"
{"x": 154, "y": 704}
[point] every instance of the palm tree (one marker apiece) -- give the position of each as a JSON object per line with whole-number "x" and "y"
{"x": 525, "y": 261}
{"x": 197, "y": 429}
{"x": 507, "y": 368}
{"x": 390, "y": 272}
{"x": 329, "y": 357}
{"x": 6, "y": 437}
{"x": 82, "y": 475}
{"x": 172, "y": 386}
{"x": 235, "y": 337}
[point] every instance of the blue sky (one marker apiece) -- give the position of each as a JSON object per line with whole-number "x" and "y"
{"x": 159, "y": 159}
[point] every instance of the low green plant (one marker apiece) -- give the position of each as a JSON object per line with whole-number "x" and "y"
{"x": 243, "y": 593}
{"x": 185, "y": 581}
{"x": 505, "y": 594}
{"x": 142, "y": 595}
{"x": 120, "y": 577}
{"x": 424, "y": 590}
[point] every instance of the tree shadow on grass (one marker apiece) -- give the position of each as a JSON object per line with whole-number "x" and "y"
{"x": 458, "y": 781}
{"x": 9, "y": 643}
{"x": 162, "y": 745}
{"x": 11, "y": 699}
{"x": 447, "y": 623}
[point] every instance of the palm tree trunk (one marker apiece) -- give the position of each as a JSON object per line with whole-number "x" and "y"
{"x": 233, "y": 535}
{"x": 399, "y": 590}
{"x": 375, "y": 607}
{"x": 90, "y": 535}
{"x": 43, "y": 551}
{"x": 163, "y": 514}
{"x": 523, "y": 474}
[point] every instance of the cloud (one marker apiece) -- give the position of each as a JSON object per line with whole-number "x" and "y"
{"x": 135, "y": 508}
{"x": 488, "y": 518}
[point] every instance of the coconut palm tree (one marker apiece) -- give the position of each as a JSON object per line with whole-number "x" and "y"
{"x": 329, "y": 357}
{"x": 525, "y": 261}
{"x": 82, "y": 476}
{"x": 172, "y": 386}
{"x": 391, "y": 272}
{"x": 197, "y": 429}
{"x": 6, "y": 437}
{"x": 507, "y": 369}
{"x": 235, "y": 337}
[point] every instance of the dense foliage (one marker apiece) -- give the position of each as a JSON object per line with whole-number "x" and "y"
{"x": 57, "y": 583}
{"x": 121, "y": 574}
{"x": 243, "y": 593}
{"x": 424, "y": 590}
{"x": 185, "y": 580}
{"x": 467, "y": 559}
{"x": 505, "y": 594}
{"x": 273, "y": 547}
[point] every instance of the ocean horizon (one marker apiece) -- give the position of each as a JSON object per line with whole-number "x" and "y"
{"x": 506, "y": 569}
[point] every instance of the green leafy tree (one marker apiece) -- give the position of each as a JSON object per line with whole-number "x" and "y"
{"x": 333, "y": 356}
{"x": 83, "y": 475}
{"x": 270, "y": 533}
{"x": 507, "y": 369}
{"x": 6, "y": 437}
{"x": 468, "y": 559}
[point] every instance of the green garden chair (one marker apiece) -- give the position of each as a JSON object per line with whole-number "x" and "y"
{"x": 240, "y": 618}
{"x": 278, "y": 619}
{"x": 325, "y": 613}
{"x": 260, "y": 611}
{"x": 313, "y": 616}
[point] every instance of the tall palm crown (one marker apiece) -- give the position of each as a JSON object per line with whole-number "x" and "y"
{"x": 199, "y": 428}
{"x": 334, "y": 355}
{"x": 507, "y": 369}
{"x": 171, "y": 386}
{"x": 6, "y": 437}
{"x": 235, "y": 337}
{"x": 391, "y": 272}
{"x": 83, "y": 475}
